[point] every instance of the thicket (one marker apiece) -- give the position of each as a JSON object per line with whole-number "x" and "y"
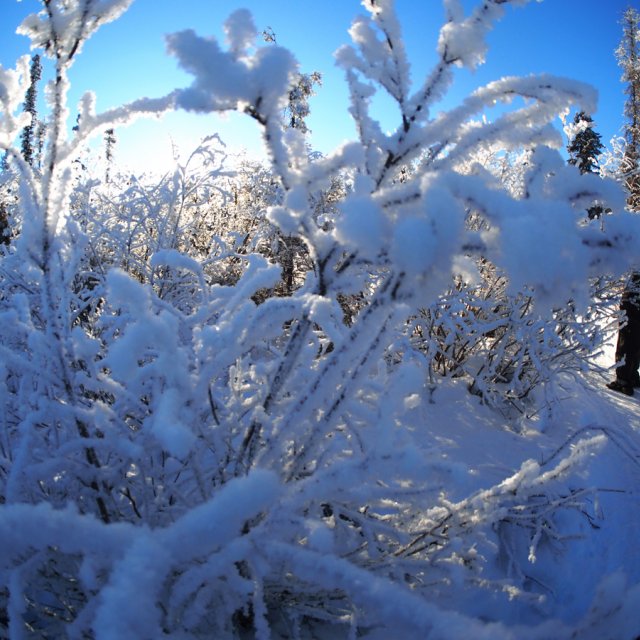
{"x": 205, "y": 379}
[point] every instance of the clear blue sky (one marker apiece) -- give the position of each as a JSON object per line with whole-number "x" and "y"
{"x": 126, "y": 59}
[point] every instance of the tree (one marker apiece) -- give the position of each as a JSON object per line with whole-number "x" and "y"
{"x": 585, "y": 147}
{"x": 291, "y": 252}
{"x": 109, "y": 144}
{"x": 628, "y": 54}
{"x": 297, "y": 108}
{"x": 28, "y": 133}
{"x": 628, "y": 342}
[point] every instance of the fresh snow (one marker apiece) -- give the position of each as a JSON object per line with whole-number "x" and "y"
{"x": 354, "y": 396}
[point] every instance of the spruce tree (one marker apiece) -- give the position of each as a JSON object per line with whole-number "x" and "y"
{"x": 586, "y": 145}
{"x": 294, "y": 116}
{"x": 27, "y": 135}
{"x": 628, "y": 54}
{"x": 628, "y": 343}
{"x": 584, "y": 149}
{"x": 109, "y": 144}
{"x": 297, "y": 109}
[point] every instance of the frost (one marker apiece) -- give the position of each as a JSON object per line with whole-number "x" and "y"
{"x": 230, "y": 80}
{"x": 241, "y": 32}
{"x": 175, "y": 436}
{"x": 63, "y": 26}
{"x": 363, "y": 226}
{"x": 13, "y": 84}
{"x": 351, "y": 395}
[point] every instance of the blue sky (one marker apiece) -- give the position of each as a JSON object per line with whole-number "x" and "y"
{"x": 126, "y": 60}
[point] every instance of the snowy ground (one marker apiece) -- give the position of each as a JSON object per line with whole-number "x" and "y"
{"x": 472, "y": 447}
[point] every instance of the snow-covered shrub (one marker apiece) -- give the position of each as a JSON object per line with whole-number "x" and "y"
{"x": 180, "y": 460}
{"x": 495, "y": 337}
{"x": 503, "y": 349}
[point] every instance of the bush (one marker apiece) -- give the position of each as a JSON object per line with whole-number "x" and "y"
{"x": 178, "y": 459}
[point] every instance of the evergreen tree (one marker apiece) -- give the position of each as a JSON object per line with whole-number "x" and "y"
{"x": 628, "y": 343}
{"x": 109, "y": 144}
{"x": 628, "y": 54}
{"x": 291, "y": 249}
{"x": 586, "y": 146}
{"x": 27, "y": 136}
{"x": 40, "y": 135}
{"x": 297, "y": 109}
{"x": 584, "y": 149}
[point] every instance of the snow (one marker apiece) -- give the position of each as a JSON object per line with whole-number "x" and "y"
{"x": 241, "y": 32}
{"x": 571, "y": 573}
{"x": 362, "y": 226}
{"x": 376, "y": 447}
{"x": 62, "y": 28}
{"x": 541, "y": 246}
{"x": 13, "y": 85}
{"x": 423, "y": 243}
{"x": 223, "y": 80}
{"x": 166, "y": 425}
